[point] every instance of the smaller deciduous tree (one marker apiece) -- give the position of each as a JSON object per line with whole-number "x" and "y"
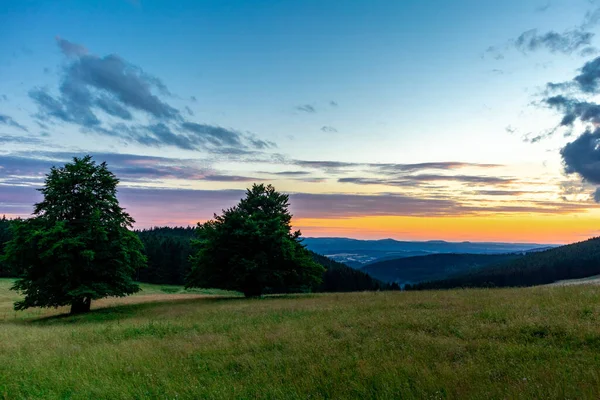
{"x": 78, "y": 246}
{"x": 251, "y": 248}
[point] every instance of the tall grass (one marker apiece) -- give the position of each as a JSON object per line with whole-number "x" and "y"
{"x": 484, "y": 344}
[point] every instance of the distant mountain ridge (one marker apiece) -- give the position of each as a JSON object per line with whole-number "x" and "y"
{"x": 357, "y": 253}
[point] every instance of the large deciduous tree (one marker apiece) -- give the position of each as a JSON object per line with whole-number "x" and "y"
{"x": 78, "y": 246}
{"x": 251, "y": 248}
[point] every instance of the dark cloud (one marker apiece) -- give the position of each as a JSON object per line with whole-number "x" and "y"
{"x": 259, "y": 143}
{"x": 329, "y": 129}
{"x": 566, "y": 42}
{"x": 288, "y": 173}
{"x": 70, "y": 49}
{"x": 127, "y": 83}
{"x": 6, "y": 120}
{"x": 596, "y": 195}
{"x": 587, "y": 80}
{"x": 417, "y": 180}
{"x": 573, "y": 109}
{"x": 193, "y": 98}
{"x": 92, "y": 86}
{"x": 112, "y": 107}
{"x": 306, "y": 108}
{"x": 130, "y": 168}
{"x": 582, "y": 156}
{"x": 333, "y": 103}
{"x": 215, "y": 135}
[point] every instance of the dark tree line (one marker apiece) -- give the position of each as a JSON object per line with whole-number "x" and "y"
{"x": 574, "y": 261}
{"x": 5, "y": 236}
{"x": 168, "y": 250}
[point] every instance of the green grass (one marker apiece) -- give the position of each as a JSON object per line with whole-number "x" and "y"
{"x": 538, "y": 343}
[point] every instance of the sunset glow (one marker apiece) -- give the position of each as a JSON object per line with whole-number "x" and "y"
{"x": 374, "y": 134}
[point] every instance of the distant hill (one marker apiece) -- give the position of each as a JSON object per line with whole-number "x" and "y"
{"x": 341, "y": 278}
{"x": 411, "y": 270}
{"x": 357, "y": 253}
{"x": 574, "y": 261}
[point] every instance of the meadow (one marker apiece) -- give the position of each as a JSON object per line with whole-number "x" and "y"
{"x": 169, "y": 343}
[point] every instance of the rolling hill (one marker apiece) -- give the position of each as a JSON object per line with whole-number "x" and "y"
{"x": 356, "y": 253}
{"x": 411, "y": 270}
{"x": 574, "y": 261}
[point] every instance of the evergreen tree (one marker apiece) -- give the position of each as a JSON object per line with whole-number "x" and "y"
{"x": 78, "y": 246}
{"x": 5, "y": 236}
{"x": 251, "y": 248}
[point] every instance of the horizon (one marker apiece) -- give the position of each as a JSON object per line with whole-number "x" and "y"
{"x": 413, "y": 121}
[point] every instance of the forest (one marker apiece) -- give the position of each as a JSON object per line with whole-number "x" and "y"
{"x": 168, "y": 251}
{"x": 574, "y": 261}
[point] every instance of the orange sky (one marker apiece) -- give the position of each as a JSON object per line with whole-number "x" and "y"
{"x": 518, "y": 228}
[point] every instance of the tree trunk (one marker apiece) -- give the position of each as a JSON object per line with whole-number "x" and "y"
{"x": 81, "y": 306}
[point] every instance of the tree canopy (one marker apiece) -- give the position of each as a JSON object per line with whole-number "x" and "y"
{"x": 251, "y": 248}
{"x": 78, "y": 246}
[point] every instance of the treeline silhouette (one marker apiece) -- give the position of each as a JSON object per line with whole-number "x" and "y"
{"x": 168, "y": 250}
{"x": 574, "y": 261}
{"x": 5, "y": 236}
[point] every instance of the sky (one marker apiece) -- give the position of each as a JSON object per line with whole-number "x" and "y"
{"x": 413, "y": 120}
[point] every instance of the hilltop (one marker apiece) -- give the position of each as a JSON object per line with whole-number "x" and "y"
{"x": 574, "y": 261}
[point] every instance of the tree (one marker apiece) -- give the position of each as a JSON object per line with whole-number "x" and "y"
{"x": 77, "y": 247}
{"x": 251, "y": 248}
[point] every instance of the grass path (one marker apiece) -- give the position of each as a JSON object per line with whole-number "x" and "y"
{"x": 466, "y": 344}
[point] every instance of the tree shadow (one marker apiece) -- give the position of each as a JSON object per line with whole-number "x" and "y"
{"x": 116, "y": 312}
{"x": 123, "y": 312}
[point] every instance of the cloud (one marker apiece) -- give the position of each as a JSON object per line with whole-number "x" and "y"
{"x": 233, "y": 178}
{"x": 542, "y": 8}
{"x": 5, "y": 119}
{"x": 333, "y": 103}
{"x": 417, "y": 180}
{"x": 288, "y": 173}
{"x": 107, "y": 95}
{"x": 130, "y": 168}
{"x": 20, "y": 140}
{"x": 70, "y": 49}
{"x": 587, "y": 80}
{"x": 582, "y": 156}
{"x": 596, "y": 195}
{"x": 112, "y": 107}
{"x": 573, "y": 109}
{"x": 328, "y": 129}
{"x": 389, "y": 168}
{"x": 306, "y": 108}
{"x": 566, "y": 42}
{"x": 215, "y": 135}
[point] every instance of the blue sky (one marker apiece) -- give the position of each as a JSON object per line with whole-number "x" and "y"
{"x": 316, "y": 97}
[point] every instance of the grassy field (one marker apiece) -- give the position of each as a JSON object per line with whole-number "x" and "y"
{"x": 165, "y": 343}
